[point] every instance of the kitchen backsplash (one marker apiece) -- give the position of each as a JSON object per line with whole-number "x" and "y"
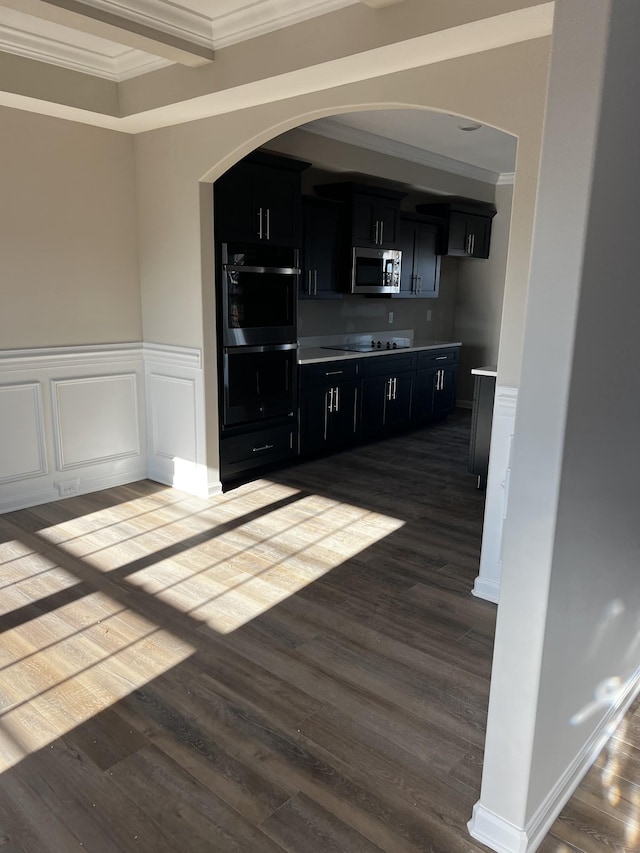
{"x": 360, "y": 314}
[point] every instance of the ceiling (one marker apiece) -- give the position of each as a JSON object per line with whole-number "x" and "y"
{"x": 120, "y": 39}
{"x": 115, "y": 43}
{"x": 430, "y": 138}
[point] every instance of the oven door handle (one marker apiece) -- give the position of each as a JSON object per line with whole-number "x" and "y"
{"x": 274, "y": 270}
{"x": 261, "y": 348}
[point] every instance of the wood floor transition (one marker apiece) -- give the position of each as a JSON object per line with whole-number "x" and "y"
{"x": 296, "y": 665}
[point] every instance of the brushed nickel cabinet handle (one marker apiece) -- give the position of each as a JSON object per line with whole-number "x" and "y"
{"x": 260, "y": 224}
{"x": 264, "y": 447}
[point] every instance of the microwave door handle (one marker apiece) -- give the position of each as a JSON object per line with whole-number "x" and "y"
{"x": 388, "y": 272}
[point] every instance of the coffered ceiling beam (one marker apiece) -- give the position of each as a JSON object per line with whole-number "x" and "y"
{"x": 115, "y": 28}
{"x": 378, "y": 4}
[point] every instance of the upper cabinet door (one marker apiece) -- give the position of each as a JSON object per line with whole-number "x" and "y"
{"x": 426, "y": 264}
{"x": 469, "y": 235}
{"x": 321, "y": 222}
{"x": 375, "y": 212}
{"x": 408, "y": 233}
{"x": 420, "y": 272}
{"x": 259, "y": 201}
{"x": 375, "y": 221}
{"x": 466, "y": 226}
{"x": 278, "y": 195}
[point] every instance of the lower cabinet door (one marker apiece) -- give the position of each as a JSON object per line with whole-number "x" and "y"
{"x": 329, "y": 416}
{"x": 386, "y": 403}
{"x": 435, "y": 392}
{"x": 423, "y": 397}
{"x": 444, "y": 395}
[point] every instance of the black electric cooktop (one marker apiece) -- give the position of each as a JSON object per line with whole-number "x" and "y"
{"x": 372, "y": 346}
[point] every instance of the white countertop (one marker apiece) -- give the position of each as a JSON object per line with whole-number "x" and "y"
{"x": 484, "y": 371}
{"x": 311, "y": 355}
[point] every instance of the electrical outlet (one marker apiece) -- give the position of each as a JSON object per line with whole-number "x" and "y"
{"x": 429, "y": 315}
{"x": 66, "y": 488}
{"x": 390, "y": 317}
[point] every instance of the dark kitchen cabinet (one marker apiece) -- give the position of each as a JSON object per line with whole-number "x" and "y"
{"x": 329, "y": 405}
{"x": 328, "y": 417}
{"x": 420, "y": 276}
{"x": 256, "y": 449}
{"x": 466, "y": 226}
{"x": 387, "y": 393}
{"x": 259, "y": 201}
{"x": 321, "y": 222}
{"x": 373, "y": 213}
{"x": 436, "y": 377}
{"x": 481, "y": 422}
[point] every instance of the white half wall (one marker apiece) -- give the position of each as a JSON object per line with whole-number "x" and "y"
{"x": 72, "y": 420}
{"x": 176, "y": 419}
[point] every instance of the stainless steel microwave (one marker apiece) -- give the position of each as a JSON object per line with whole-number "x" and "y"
{"x": 375, "y": 271}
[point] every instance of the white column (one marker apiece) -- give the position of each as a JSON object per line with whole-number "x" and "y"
{"x": 567, "y": 653}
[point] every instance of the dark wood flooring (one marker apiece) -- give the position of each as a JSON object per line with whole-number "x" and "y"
{"x": 296, "y": 665}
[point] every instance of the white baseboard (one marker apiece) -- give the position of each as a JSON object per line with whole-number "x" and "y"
{"x": 495, "y": 832}
{"x": 487, "y": 584}
{"x": 487, "y": 589}
{"x": 503, "y": 837}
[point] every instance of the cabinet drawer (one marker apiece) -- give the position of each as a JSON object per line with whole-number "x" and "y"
{"x": 327, "y": 372}
{"x": 254, "y": 449}
{"x": 438, "y": 357}
{"x": 388, "y": 365}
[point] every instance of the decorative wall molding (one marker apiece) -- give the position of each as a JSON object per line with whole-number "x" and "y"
{"x": 63, "y": 357}
{"x": 95, "y": 419}
{"x": 164, "y": 354}
{"x": 487, "y": 584}
{"x": 65, "y": 411}
{"x": 22, "y": 444}
{"x": 176, "y": 434}
{"x": 503, "y": 837}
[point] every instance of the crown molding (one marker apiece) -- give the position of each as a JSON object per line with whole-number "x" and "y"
{"x": 130, "y": 63}
{"x": 506, "y": 178}
{"x": 269, "y": 15}
{"x": 373, "y": 142}
{"x": 182, "y": 23}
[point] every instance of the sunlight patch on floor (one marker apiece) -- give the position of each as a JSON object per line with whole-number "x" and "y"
{"x": 69, "y": 651}
{"x": 63, "y": 667}
{"x": 252, "y": 567}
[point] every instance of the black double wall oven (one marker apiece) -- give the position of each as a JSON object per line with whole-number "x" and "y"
{"x": 258, "y": 301}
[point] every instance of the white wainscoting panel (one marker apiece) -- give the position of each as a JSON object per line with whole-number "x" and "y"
{"x": 72, "y": 420}
{"x": 487, "y": 584}
{"x": 22, "y": 445}
{"x": 176, "y": 438}
{"x": 96, "y": 419}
